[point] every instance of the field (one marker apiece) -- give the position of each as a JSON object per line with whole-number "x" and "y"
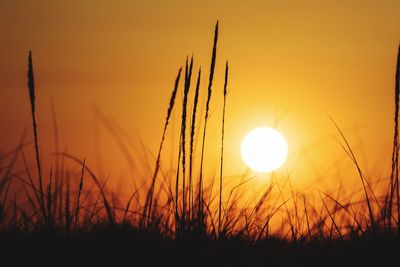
{"x": 69, "y": 217}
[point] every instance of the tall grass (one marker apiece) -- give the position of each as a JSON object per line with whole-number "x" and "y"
{"x": 222, "y": 148}
{"x": 149, "y": 197}
{"x": 397, "y": 90}
{"x": 394, "y": 175}
{"x": 209, "y": 92}
{"x": 192, "y": 134}
{"x": 79, "y": 193}
{"x": 188, "y": 77}
{"x": 365, "y": 184}
{"x": 31, "y": 89}
{"x": 299, "y": 215}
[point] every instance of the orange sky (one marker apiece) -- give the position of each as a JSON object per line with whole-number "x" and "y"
{"x": 292, "y": 62}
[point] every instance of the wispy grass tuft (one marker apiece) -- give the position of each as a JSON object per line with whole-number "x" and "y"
{"x": 397, "y": 86}
{"x": 79, "y": 193}
{"x": 394, "y": 175}
{"x": 49, "y": 200}
{"x": 31, "y": 88}
{"x": 149, "y": 197}
{"x": 209, "y": 92}
{"x": 222, "y": 149}
{"x": 192, "y": 134}
{"x": 188, "y": 77}
{"x": 366, "y": 185}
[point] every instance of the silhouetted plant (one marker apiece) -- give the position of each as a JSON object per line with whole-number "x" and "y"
{"x": 209, "y": 92}
{"x": 188, "y": 77}
{"x": 31, "y": 88}
{"x": 149, "y": 197}
{"x": 222, "y": 148}
{"x": 192, "y": 134}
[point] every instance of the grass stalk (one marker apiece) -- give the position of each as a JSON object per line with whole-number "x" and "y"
{"x": 31, "y": 88}
{"x": 79, "y": 194}
{"x": 192, "y": 133}
{"x": 209, "y": 92}
{"x": 149, "y": 197}
{"x": 188, "y": 76}
{"x": 49, "y": 199}
{"x": 395, "y": 151}
{"x": 397, "y": 90}
{"x": 222, "y": 148}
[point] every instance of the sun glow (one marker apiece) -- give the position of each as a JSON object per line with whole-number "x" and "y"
{"x": 264, "y": 149}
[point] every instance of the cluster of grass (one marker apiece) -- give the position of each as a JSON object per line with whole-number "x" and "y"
{"x": 191, "y": 218}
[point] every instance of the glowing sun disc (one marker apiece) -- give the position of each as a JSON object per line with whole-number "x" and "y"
{"x": 264, "y": 149}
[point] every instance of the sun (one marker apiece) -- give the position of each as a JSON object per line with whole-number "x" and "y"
{"x": 264, "y": 149}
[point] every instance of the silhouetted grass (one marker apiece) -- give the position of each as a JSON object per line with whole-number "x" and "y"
{"x": 188, "y": 77}
{"x": 31, "y": 88}
{"x": 394, "y": 175}
{"x": 222, "y": 148}
{"x": 192, "y": 133}
{"x": 90, "y": 225}
{"x": 79, "y": 194}
{"x": 209, "y": 92}
{"x": 149, "y": 197}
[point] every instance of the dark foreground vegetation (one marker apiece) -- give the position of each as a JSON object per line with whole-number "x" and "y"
{"x": 126, "y": 246}
{"x": 69, "y": 217}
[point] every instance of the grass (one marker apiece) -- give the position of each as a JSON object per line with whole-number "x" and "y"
{"x": 31, "y": 88}
{"x": 149, "y": 198}
{"x": 222, "y": 149}
{"x": 169, "y": 221}
{"x": 192, "y": 133}
{"x": 209, "y": 93}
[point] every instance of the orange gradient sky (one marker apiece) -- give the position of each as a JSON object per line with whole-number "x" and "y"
{"x": 291, "y": 64}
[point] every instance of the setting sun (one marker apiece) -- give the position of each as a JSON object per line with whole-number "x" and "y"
{"x": 264, "y": 149}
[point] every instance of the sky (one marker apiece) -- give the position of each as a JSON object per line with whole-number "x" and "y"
{"x": 293, "y": 65}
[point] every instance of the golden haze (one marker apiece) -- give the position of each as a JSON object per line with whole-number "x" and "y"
{"x": 289, "y": 68}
